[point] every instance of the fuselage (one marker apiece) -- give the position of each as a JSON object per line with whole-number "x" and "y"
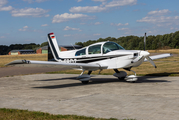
{"x": 105, "y": 54}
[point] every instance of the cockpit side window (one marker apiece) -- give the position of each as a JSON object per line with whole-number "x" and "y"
{"x": 111, "y": 46}
{"x": 81, "y": 52}
{"x": 95, "y": 49}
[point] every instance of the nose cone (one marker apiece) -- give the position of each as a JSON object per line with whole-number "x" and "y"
{"x": 144, "y": 53}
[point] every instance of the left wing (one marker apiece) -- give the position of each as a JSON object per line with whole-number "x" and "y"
{"x": 151, "y": 58}
{"x": 85, "y": 66}
{"x": 159, "y": 56}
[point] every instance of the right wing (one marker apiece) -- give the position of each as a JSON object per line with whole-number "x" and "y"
{"x": 85, "y": 66}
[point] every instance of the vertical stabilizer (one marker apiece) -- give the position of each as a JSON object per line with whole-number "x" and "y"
{"x": 54, "y": 46}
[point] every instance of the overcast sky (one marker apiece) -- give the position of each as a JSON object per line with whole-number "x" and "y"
{"x": 29, "y": 21}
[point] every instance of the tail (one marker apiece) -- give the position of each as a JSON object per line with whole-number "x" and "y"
{"x": 53, "y": 46}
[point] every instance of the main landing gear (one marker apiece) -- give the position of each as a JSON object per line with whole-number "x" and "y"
{"x": 84, "y": 78}
{"x": 121, "y": 75}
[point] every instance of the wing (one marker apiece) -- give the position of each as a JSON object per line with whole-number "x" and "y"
{"x": 159, "y": 56}
{"x": 70, "y": 65}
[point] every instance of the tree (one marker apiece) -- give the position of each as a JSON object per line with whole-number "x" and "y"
{"x": 79, "y": 43}
{"x": 44, "y": 44}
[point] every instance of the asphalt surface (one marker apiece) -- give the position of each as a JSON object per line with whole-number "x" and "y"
{"x": 150, "y": 98}
{"x": 33, "y": 69}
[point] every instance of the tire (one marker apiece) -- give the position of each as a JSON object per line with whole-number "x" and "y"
{"x": 121, "y": 78}
{"x": 85, "y": 82}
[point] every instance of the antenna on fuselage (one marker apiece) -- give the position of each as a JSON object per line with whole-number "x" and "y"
{"x": 144, "y": 41}
{"x": 73, "y": 46}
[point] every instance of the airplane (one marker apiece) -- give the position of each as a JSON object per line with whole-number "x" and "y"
{"x": 98, "y": 56}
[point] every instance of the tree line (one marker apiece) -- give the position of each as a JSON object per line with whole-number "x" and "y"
{"x": 166, "y": 41}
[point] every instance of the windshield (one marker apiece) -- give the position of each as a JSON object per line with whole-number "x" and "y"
{"x": 111, "y": 46}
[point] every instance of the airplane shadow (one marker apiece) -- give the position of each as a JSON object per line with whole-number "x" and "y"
{"x": 162, "y": 74}
{"x": 71, "y": 78}
{"x": 143, "y": 79}
{"x": 146, "y": 79}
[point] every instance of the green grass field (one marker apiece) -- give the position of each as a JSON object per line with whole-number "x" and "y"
{"x": 14, "y": 114}
{"x": 4, "y": 59}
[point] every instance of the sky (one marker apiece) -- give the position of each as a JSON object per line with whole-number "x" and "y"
{"x": 29, "y": 21}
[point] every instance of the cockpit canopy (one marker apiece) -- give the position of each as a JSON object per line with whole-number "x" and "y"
{"x": 99, "y": 48}
{"x": 111, "y": 46}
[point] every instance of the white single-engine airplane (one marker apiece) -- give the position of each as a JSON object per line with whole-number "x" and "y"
{"x": 98, "y": 56}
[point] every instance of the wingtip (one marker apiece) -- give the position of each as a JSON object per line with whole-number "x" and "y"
{"x": 16, "y": 62}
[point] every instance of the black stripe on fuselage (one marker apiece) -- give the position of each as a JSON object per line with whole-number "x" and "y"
{"x": 95, "y": 59}
{"x": 53, "y": 47}
{"x": 90, "y": 60}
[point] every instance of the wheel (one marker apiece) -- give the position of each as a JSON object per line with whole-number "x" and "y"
{"x": 85, "y": 82}
{"x": 121, "y": 78}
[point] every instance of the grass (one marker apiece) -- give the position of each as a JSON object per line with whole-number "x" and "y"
{"x": 4, "y": 59}
{"x": 14, "y": 114}
{"x": 173, "y": 51}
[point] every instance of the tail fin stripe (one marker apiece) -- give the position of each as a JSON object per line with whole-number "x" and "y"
{"x": 53, "y": 48}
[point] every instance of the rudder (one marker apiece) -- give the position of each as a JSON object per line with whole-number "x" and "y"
{"x": 53, "y": 46}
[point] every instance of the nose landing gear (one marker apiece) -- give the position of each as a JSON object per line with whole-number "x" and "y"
{"x": 122, "y": 75}
{"x": 131, "y": 78}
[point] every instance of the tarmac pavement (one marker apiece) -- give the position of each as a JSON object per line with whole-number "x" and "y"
{"x": 150, "y": 98}
{"x": 28, "y": 69}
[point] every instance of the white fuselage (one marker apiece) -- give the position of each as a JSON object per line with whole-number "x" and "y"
{"x": 108, "y": 54}
{"x": 113, "y": 59}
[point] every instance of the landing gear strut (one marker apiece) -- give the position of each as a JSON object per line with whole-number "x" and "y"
{"x": 89, "y": 72}
{"x": 84, "y": 78}
{"x": 131, "y": 78}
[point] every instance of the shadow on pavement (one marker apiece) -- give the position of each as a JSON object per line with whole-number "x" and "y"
{"x": 144, "y": 79}
{"x": 163, "y": 74}
{"x": 71, "y": 78}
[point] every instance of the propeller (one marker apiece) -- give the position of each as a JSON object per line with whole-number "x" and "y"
{"x": 144, "y": 41}
{"x": 147, "y": 56}
{"x": 151, "y": 61}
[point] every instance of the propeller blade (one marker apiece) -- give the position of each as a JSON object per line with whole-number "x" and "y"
{"x": 144, "y": 41}
{"x": 151, "y": 61}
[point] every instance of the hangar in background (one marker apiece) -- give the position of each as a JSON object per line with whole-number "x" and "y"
{"x": 42, "y": 50}
{"x": 19, "y": 52}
